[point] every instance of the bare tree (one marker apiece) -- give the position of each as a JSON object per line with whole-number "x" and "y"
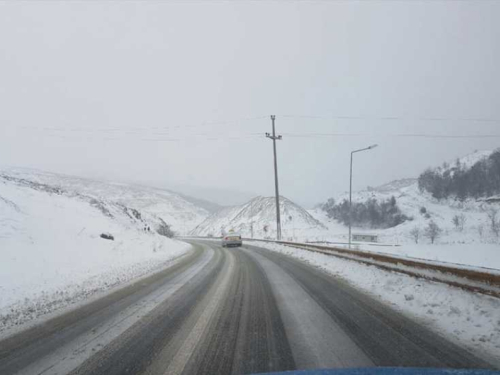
{"x": 459, "y": 222}
{"x": 492, "y": 214}
{"x": 415, "y": 234}
{"x": 462, "y": 219}
{"x": 480, "y": 230}
{"x": 432, "y": 231}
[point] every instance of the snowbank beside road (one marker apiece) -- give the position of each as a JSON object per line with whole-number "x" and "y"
{"x": 471, "y": 320}
{"x": 52, "y": 255}
{"x": 475, "y": 255}
{"x": 465, "y": 248}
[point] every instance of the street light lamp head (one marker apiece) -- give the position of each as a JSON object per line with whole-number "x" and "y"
{"x": 373, "y": 146}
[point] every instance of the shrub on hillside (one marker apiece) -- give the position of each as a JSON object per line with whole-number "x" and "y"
{"x": 107, "y": 236}
{"x": 371, "y": 213}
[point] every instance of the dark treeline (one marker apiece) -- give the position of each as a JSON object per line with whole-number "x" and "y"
{"x": 372, "y": 213}
{"x": 480, "y": 180}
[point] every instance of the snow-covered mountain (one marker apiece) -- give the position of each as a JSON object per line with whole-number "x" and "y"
{"x": 62, "y": 239}
{"x": 260, "y": 213}
{"x": 178, "y": 211}
{"x": 421, "y": 207}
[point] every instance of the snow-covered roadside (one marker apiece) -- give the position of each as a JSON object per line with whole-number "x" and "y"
{"x": 23, "y": 302}
{"x": 52, "y": 255}
{"x": 475, "y": 255}
{"x": 471, "y": 320}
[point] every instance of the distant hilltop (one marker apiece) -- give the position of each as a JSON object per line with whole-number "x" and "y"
{"x": 259, "y": 213}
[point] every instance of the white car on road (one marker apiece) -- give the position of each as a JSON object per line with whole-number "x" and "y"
{"x": 231, "y": 239}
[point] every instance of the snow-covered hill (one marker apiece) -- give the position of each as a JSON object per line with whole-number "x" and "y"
{"x": 422, "y": 208}
{"x": 260, "y": 213}
{"x": 471, "y": 159}
{"x": 51, "y": 250}
{"x": 178, "y": 211}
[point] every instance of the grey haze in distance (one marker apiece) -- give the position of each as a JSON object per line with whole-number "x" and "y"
{"x": 179, "y": 94}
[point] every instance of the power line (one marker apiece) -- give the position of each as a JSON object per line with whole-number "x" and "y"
{"x": 395, "y": 118}
{"x": 401, "y": 135}
{"x": 210, "y": 123}
{"x": 170, "y": 133}
{"x": 146, "y": 138}
{"x": 250, "y": 136}
{"x": 205, "y": 123}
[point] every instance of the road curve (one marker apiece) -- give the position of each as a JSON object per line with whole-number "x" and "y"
{"x": 229, "y": 311}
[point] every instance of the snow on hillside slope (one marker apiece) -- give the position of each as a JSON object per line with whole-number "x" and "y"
{"x": 51, "y": 252}
{"x": 394, "y": 185}
{"x": 181, "y": 214}
{"x": 411, "y": 201}
{"x": 475, "y": 245}
{"x": 471, "y": 159}
{"x": 261, "y": 211}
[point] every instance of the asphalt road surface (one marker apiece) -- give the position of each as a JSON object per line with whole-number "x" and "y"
{"x": 229, "y": 311}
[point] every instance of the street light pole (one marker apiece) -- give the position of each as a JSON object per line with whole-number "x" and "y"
{"x": 350, "y": 188}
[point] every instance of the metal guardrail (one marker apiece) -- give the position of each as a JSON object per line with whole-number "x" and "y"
{"x": 482, "y": 281}
{"x": 347, "y": 243}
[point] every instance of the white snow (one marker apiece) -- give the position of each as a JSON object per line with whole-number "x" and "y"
{"x": 469, "y": 319}
{"x": 468, "y": 247}
{"x": 475, "y": 255}
{"x": 471, "y": 159}
{"x": 68, "y": 357}
{"x": 475, "y": 245}
{"x": 410, "y": 200}
{"x": 260, "y": 212}
{"x": 52, "y": 254}
{"x": 176, "y": 210}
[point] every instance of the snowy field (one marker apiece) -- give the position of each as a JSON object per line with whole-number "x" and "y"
{"x": 466, "y": 248}
{"x": 457, "y": 248}
{"x": 471, "y": 320}
{"x": 474, "y": 245}
{"x": 52, "y": 254}
{"x": 475, "y": 255}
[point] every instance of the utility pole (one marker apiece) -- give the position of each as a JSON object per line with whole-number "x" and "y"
{"x": 278, "y": 218}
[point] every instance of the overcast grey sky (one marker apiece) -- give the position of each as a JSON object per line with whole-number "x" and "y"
{"x": 174, "y": 94}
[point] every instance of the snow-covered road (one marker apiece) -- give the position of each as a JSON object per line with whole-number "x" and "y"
{"x": 222, "y": 311}
{"x": 470, "y": 319}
